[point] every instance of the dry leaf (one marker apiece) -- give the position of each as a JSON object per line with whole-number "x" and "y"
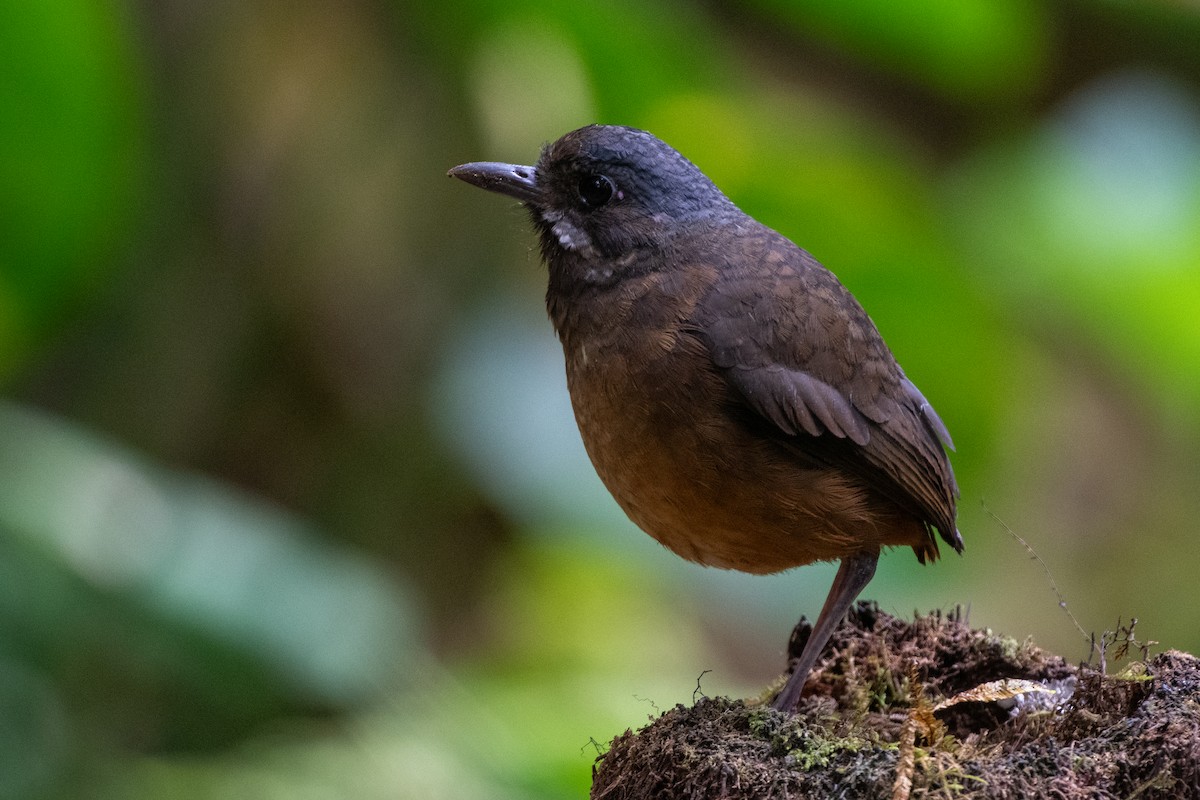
{"x": 995, "y": 691}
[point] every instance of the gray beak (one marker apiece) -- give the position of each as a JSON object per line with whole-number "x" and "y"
{"x": 513, "y": 180}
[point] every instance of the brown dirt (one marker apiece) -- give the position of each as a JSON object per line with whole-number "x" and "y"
{"x": 867, "y": 726}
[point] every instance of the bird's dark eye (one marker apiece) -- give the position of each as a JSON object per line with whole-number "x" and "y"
{"x": 595, "y": 190}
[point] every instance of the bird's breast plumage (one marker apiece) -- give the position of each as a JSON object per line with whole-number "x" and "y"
{"x": 682, "y": 455}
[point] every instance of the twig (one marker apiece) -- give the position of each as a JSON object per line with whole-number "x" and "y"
{"x": 1062, "y": 601}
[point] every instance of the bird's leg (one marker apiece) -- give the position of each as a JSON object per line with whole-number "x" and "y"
{"x": 853, "y": 574}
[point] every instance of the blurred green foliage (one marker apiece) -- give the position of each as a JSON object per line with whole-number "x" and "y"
{"x": 291, "y": 500}
{"x": 71, "y": 137}
{"x": 984, "y": 50}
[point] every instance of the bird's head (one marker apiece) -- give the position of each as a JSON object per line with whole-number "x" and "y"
{"x": 603, "y": 194}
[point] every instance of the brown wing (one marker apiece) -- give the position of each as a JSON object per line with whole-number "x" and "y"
{"x": 803, "y": 355}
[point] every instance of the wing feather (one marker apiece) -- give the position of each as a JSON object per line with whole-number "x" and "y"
{"x": 822, "y": 375}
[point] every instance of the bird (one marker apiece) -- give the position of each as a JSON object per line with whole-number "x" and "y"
{"x": 733, "y": 396}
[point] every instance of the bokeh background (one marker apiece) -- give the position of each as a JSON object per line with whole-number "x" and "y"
{"x": 291, "y": 501}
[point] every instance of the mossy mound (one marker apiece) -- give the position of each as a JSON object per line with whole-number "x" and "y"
{"x": 869, "y": 726}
